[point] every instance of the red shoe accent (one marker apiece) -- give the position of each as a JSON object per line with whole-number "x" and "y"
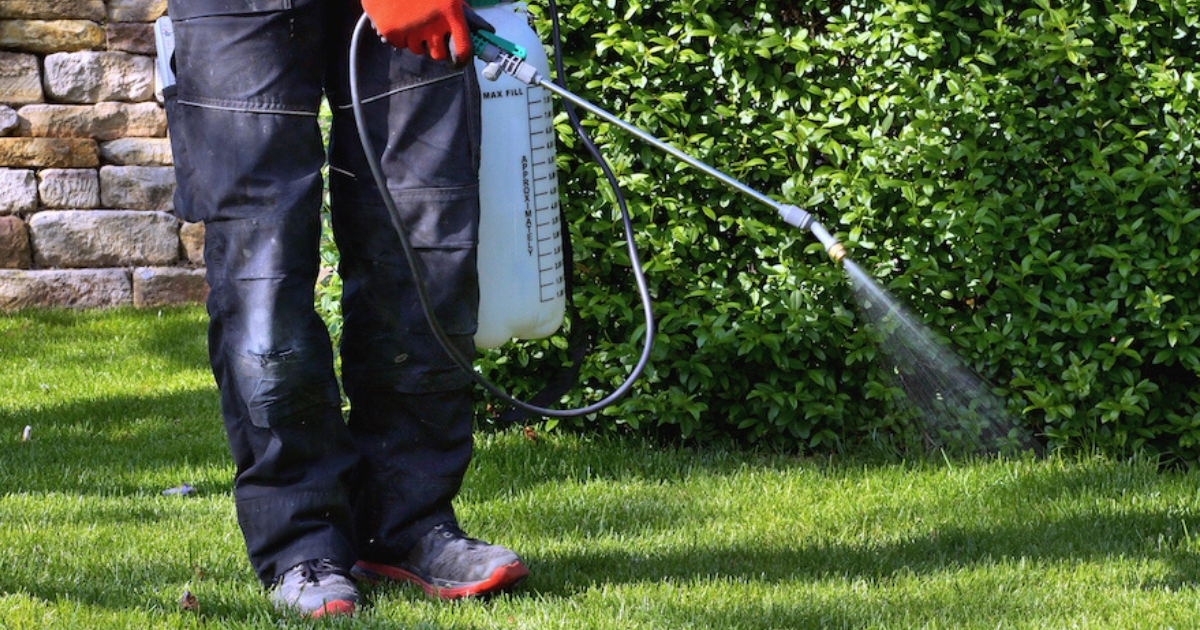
{"x": 502, "y": 578}
{"x": 334, "y": 609}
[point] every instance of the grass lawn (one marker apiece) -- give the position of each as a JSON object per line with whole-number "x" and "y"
{"x": 619, "y": 533}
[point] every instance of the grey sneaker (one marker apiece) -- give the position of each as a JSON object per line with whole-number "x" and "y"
{"x": 316, "y": 588}
{"x": 449, "y": 565}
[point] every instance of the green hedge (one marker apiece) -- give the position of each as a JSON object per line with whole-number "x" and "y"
{"x": 1020, "y": 174}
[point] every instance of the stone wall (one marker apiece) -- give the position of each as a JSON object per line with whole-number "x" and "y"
{"x": 86, "y": 176}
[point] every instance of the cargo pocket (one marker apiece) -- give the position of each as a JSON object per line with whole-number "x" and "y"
{"x": 250, "y": 55}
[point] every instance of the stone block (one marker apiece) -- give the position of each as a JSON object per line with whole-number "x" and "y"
{"x": 137, "y": 152}
{"x": 49, "y": 153}
{"x": 76, "y": 188}
{"x": 138, "y": 187}
{"x": 131, "y": 37}
{"x": 103, "y": 121}
{"x": 14, "y": 244}
{"x": 162, "y": 286}
{"x": 18, "y": 191}
{"x": 136, "y": 10}
{"x": 50, "y": 36}
{"x": 8, "y": 120}
{"x": 52, "y": 10}
{"x": 92, "y": 77}
{"x": 82, "y": 288}
{"x": 191, "y": 236}
{"x": 103, "y": 238}
{"x": 20, "y": 79}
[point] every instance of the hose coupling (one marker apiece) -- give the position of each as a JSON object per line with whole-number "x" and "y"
{"x": 798, "y": 217}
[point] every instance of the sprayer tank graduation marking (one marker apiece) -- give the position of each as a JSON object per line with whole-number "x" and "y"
{"x": 545, "y": 195}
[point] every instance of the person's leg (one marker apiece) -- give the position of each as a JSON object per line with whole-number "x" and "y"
{"x": 248, "y": 158}
{"x": 410, "y": 406}
{"x": 410, "y": 409}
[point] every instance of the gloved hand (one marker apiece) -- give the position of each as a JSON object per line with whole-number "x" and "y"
{"x": 422, "y": 26}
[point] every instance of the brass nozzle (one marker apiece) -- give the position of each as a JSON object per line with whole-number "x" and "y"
{"x": 835, "y": 249}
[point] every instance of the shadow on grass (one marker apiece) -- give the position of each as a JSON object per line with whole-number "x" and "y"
{"x": 99, "y": 467}
{"x": 102, "y": 446}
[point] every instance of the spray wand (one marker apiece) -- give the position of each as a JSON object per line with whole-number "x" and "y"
{"x": 504, "y": 57}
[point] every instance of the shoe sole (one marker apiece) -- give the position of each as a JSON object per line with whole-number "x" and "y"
{"x": 336, "y": 608}
{"x": 501, "y": 579}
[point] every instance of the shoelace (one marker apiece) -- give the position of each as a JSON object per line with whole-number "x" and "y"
{"x": 313, "y": 570}
{"x": 450, "y": 530}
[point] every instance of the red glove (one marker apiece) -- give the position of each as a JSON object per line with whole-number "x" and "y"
{"x": 422, "y": 26}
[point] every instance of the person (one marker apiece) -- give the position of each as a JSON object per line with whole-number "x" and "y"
{"x": 322, "y": 501}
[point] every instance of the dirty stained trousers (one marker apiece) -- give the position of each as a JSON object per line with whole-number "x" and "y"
{"x": 249, "y": 154}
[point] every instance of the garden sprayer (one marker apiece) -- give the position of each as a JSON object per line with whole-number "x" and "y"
{"x": 534, "y": 194}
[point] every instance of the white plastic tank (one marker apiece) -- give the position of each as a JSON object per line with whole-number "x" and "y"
{"x": 522, "y": 285}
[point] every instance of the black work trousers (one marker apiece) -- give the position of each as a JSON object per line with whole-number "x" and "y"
{"x": 249, "y": 155}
